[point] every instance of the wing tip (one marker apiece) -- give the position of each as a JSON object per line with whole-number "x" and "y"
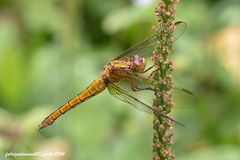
{"x": 159, "y": 113}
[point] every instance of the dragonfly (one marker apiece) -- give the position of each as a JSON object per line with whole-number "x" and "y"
{"x": 129, "y": 67}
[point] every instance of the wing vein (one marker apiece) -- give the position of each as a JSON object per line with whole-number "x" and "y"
{"x": 117, "y": 91}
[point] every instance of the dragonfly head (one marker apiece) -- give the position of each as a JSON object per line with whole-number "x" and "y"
{"x": 139, "y": 63}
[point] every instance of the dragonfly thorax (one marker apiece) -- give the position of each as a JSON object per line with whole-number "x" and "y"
{"x": 138, "y": 63}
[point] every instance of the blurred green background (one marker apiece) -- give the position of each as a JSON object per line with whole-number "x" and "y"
{"x": 50, "y": 50}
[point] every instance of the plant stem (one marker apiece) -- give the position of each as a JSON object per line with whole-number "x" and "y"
{"x": 162, "y": 127}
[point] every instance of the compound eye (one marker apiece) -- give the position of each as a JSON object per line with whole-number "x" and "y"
{"x": 137, "y": 60}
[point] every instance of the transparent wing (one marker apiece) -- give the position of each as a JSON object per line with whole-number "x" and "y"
{"x": 122, "y": 95}
{"x": 146, "y": 47}
{"x": 183, "y": 98}
{"x": 142, "y": 47}
{"x": 128, "y": 98}
{"x": 181, "y": 28}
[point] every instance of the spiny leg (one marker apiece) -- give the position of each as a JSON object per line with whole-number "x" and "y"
{"x": 148, "y": 69}
{"x": 140, "y": 77}
{"x": 148, "y": 78}
{"x": 134, "y": 86}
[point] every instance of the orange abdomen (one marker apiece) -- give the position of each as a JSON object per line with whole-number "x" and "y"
{"x": 94, "y": 88}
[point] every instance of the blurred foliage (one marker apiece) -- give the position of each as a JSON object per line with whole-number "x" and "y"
{"x": 51, "y": 50}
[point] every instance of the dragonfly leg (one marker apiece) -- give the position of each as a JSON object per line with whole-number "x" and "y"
{"x": 134, "y": 86}
{"x": 148, "y": 69}
{"x": 149, "y": 77}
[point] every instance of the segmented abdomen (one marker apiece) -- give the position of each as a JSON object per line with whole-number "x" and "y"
{"x": 93, "y": 89}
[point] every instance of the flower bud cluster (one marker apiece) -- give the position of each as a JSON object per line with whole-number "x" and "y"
{"x": 162, "y": 79}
